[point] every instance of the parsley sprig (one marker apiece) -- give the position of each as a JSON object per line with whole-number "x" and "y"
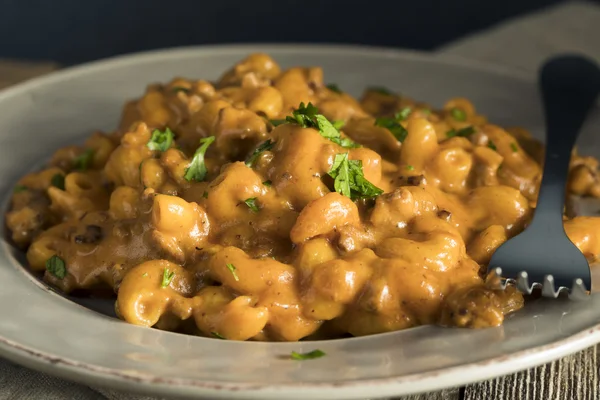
{"x": 251, "y": 203}
{"x": 56, "y": 266}
{"x": 458, "y": 114}
{"x": 307, "y": 116}
{"x": 464, "y": 132}
{"x": 83, "y": 161}
{"x": 167, "y": 277}
{"x": 267, "y": 145}
{"x": 311, "y": 355}
{"x": 197, "y": 169}
{"x": 334, "y": 88}
{"x": 160, "y": 141}
{"x": 232, "y": 269}
{"x": 393, "y": 125}
{"x": 381, "y": 90}
{"x": 58, "y": 181}
{"x": 349, "y": 179}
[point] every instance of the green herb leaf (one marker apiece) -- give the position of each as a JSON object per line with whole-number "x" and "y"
{"x": 458, "y": 114}
{"x": 145, "y": 275}
{"x": 329, "y": 131}
{"x": 514, "y": 147}
{"x": 410, "y": 168}
{"x": 267, "y": 145}
{"x": 197, "y": 168}
{"x": 339, "y": 124}
{"x": 167, "y": 277}
{"x": 218, "y": 335}
{"x": 58, "y": 180}
{"x": 309, "y": 117}
{"x": 277, "y": 122}
{"x": 311, "y": 355}
{"x": 349, "y": 179}
{"x": 231, "y": 269}
{"x": 492, "y": 146}
{"x": 464, "y": 132}
{"x": 160, "y": 141}
{"x": 334, "y": 88}
{"x": 381, "y": 90}
{"x": 403, "y": 114}
{"x": 267, "y": 183}
{"x": 20, "y": 188}
{"x": 393, "y": 125}
{"x": 56, "y": 266}
{"x": 251, "y": 203}
{"x": 181, "y": 89}
{"x": 205, "y": 194}
{"x": 305, "y": 116}
{"x": 83, "y": 161}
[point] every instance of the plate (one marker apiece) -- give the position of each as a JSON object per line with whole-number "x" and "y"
{"x": 46, "y": 331}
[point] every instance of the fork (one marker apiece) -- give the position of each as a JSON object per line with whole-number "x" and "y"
{"x": 542, "y": 255}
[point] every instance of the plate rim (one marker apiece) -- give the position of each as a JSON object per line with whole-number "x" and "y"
{"x": 413, "y": 383}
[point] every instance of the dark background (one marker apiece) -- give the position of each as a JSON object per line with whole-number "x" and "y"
{"x": 74, "y": 31}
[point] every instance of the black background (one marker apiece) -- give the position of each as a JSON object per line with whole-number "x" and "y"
{"x": 73, "y": 31}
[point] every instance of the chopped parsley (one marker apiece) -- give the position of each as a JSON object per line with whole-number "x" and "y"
{"x": 145, "y": 275}
{"x": 339, "y": 124}
{"x": 20, "y": 188}
{"x": 410, "y": 168}
{"x": 160, "y": 141}
{"x": 334, "y": 88}
{"x": 205, "y": 194}
{"x": 304, "y": 115}
{"x": 197, "y": 168}
{"x": 277, "y": 122}
{"x": 267, "y": 183}
{"x": 403, "y": 114}
{"x": 514, "y": 147}
{"x": 267, "y": 145}
{"x": 218, "y": 335}
{"x": 181, "y": 89}
{"x": 311, "y": 355}
{"x": 491, "y": 145}
{"x": 381, "y": 90}
{"x": 251, "y": 203}
{"x": 393, "y": 125}
{"x": 349, "y": 179}
{"x": 307, "y": 116}
{"x": 464, "y": 132}
{"x": 56, "y": 266}
{"x": 83, "y": 161}
{"x": 458, "y": 114}
{"x": 167, "y": 277}
{"x": 58, "y": 180}
{"x": 231, "y": 269}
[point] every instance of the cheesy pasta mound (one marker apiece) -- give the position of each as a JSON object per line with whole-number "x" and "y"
{"x": 271, "y": 206}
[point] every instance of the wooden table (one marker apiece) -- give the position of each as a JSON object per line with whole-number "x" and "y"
{"x": 572, "y": 378}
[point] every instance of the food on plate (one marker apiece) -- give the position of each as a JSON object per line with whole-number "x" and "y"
{"x": 270, "y": 205}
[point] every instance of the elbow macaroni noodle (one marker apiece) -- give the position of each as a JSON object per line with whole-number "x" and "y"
{"x": 268, "y": 249}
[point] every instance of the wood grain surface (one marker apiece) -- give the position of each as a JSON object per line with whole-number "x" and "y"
{"x": 572, "y": 378}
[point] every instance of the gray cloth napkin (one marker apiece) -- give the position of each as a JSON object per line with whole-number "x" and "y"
{"x": 521, "y": 43}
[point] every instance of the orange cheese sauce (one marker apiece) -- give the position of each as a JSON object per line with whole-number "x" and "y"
{"x": 303, "y": 260}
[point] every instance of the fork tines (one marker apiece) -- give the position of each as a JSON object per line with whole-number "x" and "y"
{"x": 577, "y": 291}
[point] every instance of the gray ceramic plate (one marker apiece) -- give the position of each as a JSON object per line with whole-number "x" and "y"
{"x": 42, "y": 330}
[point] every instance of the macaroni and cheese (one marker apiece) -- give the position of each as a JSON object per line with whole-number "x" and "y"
{"x": 272, "y": 206}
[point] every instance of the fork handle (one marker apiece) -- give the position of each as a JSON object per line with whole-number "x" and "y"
{"x": 569, "y": 86}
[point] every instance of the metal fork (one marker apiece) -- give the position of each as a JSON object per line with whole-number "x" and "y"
{"x": 542, "y": 255}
